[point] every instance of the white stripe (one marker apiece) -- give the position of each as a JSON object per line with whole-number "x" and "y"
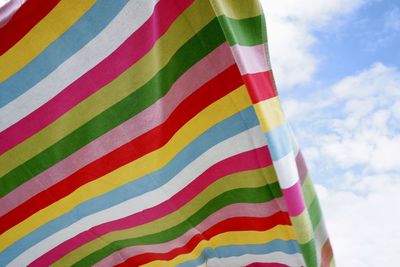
{"x": 292, "y": 260}
{"x": 128, "y": 20}
{"x": 251, "y": 59}
{"x": 293, "y": 140}
{"x": 286, "y": 170}
{"x": 247, "y": 140}
{"x": 320, "y": 236}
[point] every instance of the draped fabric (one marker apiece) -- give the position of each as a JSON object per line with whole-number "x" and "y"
{"x": 148, "y": 132}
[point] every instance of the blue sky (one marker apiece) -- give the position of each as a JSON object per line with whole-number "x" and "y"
{"x": 369, "y": 35}
{"x": 337, "y": 67}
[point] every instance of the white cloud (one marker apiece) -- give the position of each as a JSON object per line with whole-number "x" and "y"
{"x": 364, "y": 229}
{"x": 291, "y": 24}
{"x": 350, "y": 124}
{"x": 350, "y": 132}
{"x": 386, "y": 155}
{"x": 396, "y": 110}
{"x": 379, "y": 80}
{"x": 348, "y": 129}
{"x": 310, "y": 12}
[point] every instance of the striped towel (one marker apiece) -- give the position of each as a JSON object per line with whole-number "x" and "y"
{"x": 148, "y": 132}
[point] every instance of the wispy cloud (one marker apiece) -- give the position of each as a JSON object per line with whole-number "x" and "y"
{"x": 392, "y": 20}
{"x": 349, "y": 131}
{"x": 364, "y": 227}
{"x": 352, "y": 123}
{"x": 292, "y": 24}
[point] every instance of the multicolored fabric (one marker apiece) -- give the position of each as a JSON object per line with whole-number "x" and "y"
{"x": 148, "y": 132}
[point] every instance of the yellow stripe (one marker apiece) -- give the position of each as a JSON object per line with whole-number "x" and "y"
{"x": 246, "y": 179}
{"x": 303, "y": 227}
{"x": 237, "y": 9}
{"x": 49, "y": 29}
{"x": 132, "y": 79}
{"x": 270, "y": 113}
{"x": 229, "y": 239}
{"x": 218, "y": 111}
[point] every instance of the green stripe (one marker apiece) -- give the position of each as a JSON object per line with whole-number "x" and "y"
{"x": 246, "y": 179}
{"x": 241, "y": 195}
{"x": 308, "y": 190}
{"x": 191, "y": 52}
{"x": 309, "y": 249}
{"x": 312, "y": 202}
{"x": 248, "y": 32}
{"x": 310, "y": 257}
{"x": 315, "y": 213}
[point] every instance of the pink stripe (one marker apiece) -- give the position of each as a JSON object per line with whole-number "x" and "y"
{"x": 251, "y": 59}
{"x": 137, "y": 45}
{"x": 294, "y": 199}
{"x": 258, "y": 210}
{"x": 195, "y": 77}
{"x": 301, "y": 166}
{"x": 249, "y": 160}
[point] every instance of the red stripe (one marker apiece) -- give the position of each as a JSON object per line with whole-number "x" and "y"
{"x": 27, "y": 16}
{"x": 261, "y": 86}
{"x": 327, "y": 254}
{"x": 210, "y": 92}
{"x": 249, "y": 160}
{"x": 133, "y": 49}
{"x": 229, "y": 225}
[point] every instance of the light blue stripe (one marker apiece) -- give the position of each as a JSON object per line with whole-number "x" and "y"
{"x": 279, "y": 142}
{"x": 277, "y": 245}
{"x": 84, "y": 30}
{"x": 234, "y": 125}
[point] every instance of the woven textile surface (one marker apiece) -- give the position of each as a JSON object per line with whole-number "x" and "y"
{"x": 148, "y": 132}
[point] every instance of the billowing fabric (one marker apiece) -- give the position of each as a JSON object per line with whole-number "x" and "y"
{"x": 148, "y": 132}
